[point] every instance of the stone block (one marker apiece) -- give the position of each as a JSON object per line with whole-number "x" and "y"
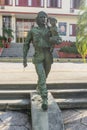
{"x": 45, "y": 120}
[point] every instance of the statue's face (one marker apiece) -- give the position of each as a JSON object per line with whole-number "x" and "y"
{"x": 42, "y": 19}
{"x": 53, "y": 21}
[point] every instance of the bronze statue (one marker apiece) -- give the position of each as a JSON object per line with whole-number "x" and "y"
{"x": 42, "y": 39}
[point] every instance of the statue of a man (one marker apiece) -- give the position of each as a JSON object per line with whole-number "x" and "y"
{"x": 42, "y": 40}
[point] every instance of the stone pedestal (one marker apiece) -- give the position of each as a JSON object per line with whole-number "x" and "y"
{"x": 45, "y": 120}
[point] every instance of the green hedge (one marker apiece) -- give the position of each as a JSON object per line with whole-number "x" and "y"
{"x": 69, "y": 49}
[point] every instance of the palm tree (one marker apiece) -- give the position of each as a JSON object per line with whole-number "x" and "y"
{"x": 81, "y": 35}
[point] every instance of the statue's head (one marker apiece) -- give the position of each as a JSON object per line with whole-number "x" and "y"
{"x": 41, "y": 18}
{"x": 53, "y": 21}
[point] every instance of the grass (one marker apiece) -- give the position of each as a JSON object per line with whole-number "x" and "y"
{"x": 61, "y": 60}
{"x": 74, "y": 60}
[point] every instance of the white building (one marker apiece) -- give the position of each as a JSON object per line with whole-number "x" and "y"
{"x": 20, "y": 16}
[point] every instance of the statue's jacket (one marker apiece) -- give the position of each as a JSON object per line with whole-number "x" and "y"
{"x": 42, "y": 42}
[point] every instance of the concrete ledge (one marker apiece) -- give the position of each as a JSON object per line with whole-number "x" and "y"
{"x": 48, "y": 120}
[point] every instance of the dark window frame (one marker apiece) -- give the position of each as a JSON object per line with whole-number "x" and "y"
{"x": 73, "y": 30}
{"x": 55, "y": 4}
{"x": 75, "y": 4}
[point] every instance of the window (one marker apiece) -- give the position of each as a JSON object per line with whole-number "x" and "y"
{"x": 22, "y": 2}
{"x": 2, "y": 2}
{"x": 75, "y": 4}
{"x": 5, "y": 2}
{"x": 54, "y": 3}
{"x": 72, "y": 30}
{"x": 7, "y": 21}
{"x": 10, "y": 2}
{"x": 34, "y": 3}
{"x": 29, "y": 2}
{"x": 17, "y": 2}
{"x": 37, "y": 3}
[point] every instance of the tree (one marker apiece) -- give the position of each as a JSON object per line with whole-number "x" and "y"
{"x": 81, "y": 33}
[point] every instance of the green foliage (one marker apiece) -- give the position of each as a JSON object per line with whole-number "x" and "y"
{"x": 81, "y": 37}
{"x": 1, "y": 45}
{"x": 7, "y": 32}
{"x": 70, "y": 49}
{"x": 4, "y": 38}
{"x": 0, "y": 38}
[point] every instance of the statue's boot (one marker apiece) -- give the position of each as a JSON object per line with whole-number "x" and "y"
{"x": 42, "y": 91}
{"x": 44, "y": 104}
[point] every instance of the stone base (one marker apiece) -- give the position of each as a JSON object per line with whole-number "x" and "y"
{"x": 45, "y": 120}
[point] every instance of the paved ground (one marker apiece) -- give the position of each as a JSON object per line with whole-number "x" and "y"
{"x": 14, "y": 121}
{"x": 61, "y": 72}
{"x": 75, "y": 119}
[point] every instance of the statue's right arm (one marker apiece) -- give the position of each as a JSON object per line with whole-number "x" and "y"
{"x": 26, "y": 47}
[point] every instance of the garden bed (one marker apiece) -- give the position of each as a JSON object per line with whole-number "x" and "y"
{"x": 68, "y": 55}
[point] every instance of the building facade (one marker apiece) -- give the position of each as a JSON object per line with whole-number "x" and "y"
{"x": 20, "y": 15}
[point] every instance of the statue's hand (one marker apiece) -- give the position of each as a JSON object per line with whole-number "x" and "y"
{"x": 25, "y": 63}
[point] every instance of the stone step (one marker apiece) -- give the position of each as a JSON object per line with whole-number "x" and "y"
{"x": 17, "y": 86}
{"x": 15, "y": 94}
{"x": 32, "y": 86}
{"x": 56, "y": 93}
{"x": 69, "y": 93}
{"x": 71, "y": 103}
{"x": 14, "y": 104}
{"x": 66, "y": 98}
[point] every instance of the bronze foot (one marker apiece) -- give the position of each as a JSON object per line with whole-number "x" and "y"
{"x": 45, "y": 105}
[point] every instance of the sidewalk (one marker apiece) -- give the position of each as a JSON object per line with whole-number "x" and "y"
{"x": 60, "y": 73}
{"x": 74, "y": 119}
{"x": 10, "y": 120}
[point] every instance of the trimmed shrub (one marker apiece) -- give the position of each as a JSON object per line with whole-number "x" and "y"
{"x": 69, "y": 49}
